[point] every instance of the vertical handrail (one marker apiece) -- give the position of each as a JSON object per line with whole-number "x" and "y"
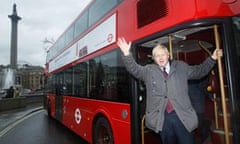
{"x": 216, "y": 35}
{"x": 170, "y": 46}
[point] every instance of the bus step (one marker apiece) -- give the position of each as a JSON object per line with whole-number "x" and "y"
{"x": 151, "y": 137}
{"x": 218, "y": 136}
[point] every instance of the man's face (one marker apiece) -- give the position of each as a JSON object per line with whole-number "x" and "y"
{"x": 161, "y": 57}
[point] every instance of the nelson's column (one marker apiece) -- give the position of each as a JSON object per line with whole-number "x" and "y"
{"x": 14, "y": 19}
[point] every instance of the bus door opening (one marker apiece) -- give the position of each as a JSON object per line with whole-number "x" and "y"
{"x": 59, "y": 95}
{"x": 193, "y": 45}
{"x": 208, "y": 94}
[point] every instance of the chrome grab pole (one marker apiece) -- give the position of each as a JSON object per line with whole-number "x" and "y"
{"x": 217, "y": 41}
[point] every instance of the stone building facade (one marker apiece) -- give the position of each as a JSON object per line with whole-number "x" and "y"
{"x": 26, "y": 76}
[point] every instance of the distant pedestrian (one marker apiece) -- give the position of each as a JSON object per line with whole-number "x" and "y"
{"x": 10, "y": 92}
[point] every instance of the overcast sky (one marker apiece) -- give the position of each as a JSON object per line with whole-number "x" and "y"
{"x": 40, "y": 20}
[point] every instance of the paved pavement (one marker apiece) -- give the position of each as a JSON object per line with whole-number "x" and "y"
{"x": 10, "y": 116}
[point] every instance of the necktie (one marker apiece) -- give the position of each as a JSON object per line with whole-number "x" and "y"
{"x": 169, "y": 107}
{"x": 165, "y": 74}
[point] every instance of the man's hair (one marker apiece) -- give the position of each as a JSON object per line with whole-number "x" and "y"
{"x": 157, "y": 48}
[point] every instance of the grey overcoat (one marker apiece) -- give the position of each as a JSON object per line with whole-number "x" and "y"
{"x": 175, "y": 88}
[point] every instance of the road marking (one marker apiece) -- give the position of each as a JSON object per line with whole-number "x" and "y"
{"x": 11, "y": 126}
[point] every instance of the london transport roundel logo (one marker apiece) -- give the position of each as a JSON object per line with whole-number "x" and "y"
{"x": 77, "y": 116}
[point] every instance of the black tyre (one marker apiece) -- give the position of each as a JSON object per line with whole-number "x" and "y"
{"x": 102, "y": 132}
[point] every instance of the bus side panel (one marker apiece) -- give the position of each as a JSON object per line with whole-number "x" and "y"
{"x": 76, "y": 118}
{"x": 79, "y": 114}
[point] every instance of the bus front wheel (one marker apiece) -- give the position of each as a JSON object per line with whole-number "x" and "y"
{"x": 102, "y": 132}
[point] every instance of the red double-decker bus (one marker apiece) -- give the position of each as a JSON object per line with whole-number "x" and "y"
{"x": 90, "y": 92}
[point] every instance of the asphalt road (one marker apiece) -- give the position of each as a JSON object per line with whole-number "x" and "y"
{"x": 37, "y": 128}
